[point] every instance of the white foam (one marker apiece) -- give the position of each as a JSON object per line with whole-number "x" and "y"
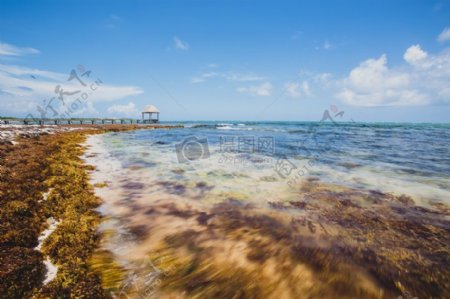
{"x": 52, "y": 269}
{"x": 44, "y": 234}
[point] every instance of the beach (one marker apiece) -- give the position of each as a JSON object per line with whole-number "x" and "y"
{"x": 225, "y": 149}
{"x": 126, "y": 213}
{"x": 48, "y": 223}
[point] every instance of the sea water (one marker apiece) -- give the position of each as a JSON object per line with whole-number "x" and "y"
{"x": 155, "y": 173}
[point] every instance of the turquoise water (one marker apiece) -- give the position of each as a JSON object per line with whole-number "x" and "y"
{"x": 163, "y": 183}
{"x": 412, "y": 159}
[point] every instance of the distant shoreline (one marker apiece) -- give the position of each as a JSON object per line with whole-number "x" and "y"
{"x": 182, "y": 121}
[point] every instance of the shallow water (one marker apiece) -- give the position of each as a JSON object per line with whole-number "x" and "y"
{"x": 163, "y": 210}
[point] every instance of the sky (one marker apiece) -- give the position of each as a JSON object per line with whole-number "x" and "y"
{"x": 379, "y": 61}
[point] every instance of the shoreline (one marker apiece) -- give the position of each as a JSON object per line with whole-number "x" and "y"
{"x": 43, "y": 176}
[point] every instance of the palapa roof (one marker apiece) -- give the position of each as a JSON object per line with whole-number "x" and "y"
{"x": 150, "y": 109}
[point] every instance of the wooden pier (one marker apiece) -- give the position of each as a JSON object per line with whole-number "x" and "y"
{"x": 74, "y": 121}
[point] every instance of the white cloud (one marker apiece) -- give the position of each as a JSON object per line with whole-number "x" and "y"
{"x": 323, "y": 78}
{"x": 424, "y": 80}
{"x": 15, "y": 70}
{"x": 292, "y": 89}
{"x": 230, "y": 76}
{"x": 414, "y": 54}
{"x": 264, "y": 89}
{"x": 108, "y": 93}
{"x": 10, "y": 50}
{"x": 242, "y": 77}
{"x": 444, "y": 35}
{"x": 296, "y": 90}
{"x": 23, "y": 89}
{"x": 305, "y": 89}
{"x": 203, "y": 77}
{"x": 88, "y": 109}
{"x": 209, "y": 75}
{"x": 179, "y": 44}
{"x": 127, "y": 110}
{"x": 41, "y": 84}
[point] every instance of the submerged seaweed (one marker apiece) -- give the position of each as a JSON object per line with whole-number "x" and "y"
{"x": 349, "y": 244}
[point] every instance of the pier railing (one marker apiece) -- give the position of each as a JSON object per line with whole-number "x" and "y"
{"x": 74, "y": 121}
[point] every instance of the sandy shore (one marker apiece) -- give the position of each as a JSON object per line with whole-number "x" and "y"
{"x": 10, "y": 133}
{"x": 48, "y": 227}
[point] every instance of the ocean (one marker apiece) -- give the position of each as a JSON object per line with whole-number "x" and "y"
{"x": 192, "y": 181}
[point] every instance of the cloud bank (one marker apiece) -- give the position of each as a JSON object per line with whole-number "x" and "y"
{"x": 297, "y": 90}
{"x": 423, "y": 80}
{"x": 263, "y": 90}
{"x": 127, "y": 110}
{"x": 444, "y": 36}
{"x": 24, "y": 89}
{"x": 10, "y": 50}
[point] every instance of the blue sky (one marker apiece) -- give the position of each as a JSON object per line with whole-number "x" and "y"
{"x": 229, "y": 60}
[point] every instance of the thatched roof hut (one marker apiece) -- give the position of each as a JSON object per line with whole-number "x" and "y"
{"x": 150, "y": 110}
